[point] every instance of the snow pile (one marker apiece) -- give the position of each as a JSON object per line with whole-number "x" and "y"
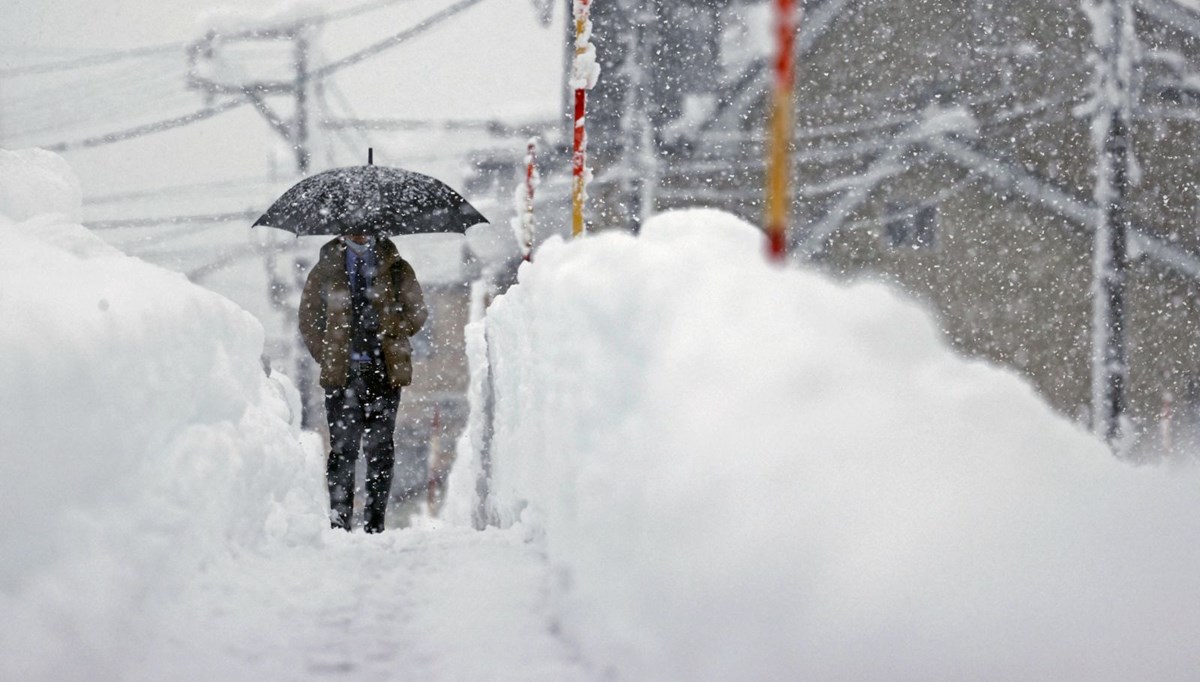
{"x": 745, "y": 472}
{"x": 139, "y": 436}
{"x": 34, "y": 181}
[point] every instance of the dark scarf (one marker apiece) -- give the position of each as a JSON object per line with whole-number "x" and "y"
{"x": 364, "y": 324}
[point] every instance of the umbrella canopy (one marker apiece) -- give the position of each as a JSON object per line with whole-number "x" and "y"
{"x": 375, "y": 200}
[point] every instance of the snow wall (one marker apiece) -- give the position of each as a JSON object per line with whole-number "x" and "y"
{"x": 140, "y": 438}
{"x": 744, "y": 472}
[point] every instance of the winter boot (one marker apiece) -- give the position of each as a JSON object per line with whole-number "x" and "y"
{"x": 341, "y": 506}
{"x": 373, "y": 516}
{"x": 339, "y": 474}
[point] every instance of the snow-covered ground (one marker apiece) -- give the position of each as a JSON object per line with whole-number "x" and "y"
{"x": 426, "y": 603}
{"x": 166, "y": 516}
{"x": 704, "y": 468}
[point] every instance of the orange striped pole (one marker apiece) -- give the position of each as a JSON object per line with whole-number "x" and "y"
{"x": 584, "y": 72}
{"x": 780, "y": 132}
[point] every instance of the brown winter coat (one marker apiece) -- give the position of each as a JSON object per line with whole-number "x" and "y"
{"x": 325, "y": 314}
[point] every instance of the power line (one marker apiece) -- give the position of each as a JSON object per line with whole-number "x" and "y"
{"x": 146, "y": 94}
{"x": 361, "y": 9}
{"x": 173, "y": 220}
{"x": 120, "y": 197}
{"x": 411, "y": 125}
{"x": 147, "y": 129}
{"x": 69, "y": 95}
{"x": 284, "y": 27}
{"x": 387, "y": 43}
{"x": 134, "y": 53}
{"x": 56, "y": 51}
{"x": 146, "y": 99}
{"x": 214, "y": 110}
{"x": 208, "y": 112}
{"x": 92, "y": 60}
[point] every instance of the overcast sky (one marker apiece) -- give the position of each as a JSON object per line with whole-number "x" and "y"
{"x": 493, "y": 60}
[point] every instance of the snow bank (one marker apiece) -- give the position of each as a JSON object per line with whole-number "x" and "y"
{"x": 35, "y": 182}
{"x": 745, "y": 472}
{"x": 139, "y": 436}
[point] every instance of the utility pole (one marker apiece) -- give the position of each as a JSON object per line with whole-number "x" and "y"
{"x": 1111, "y": 109}
{"x": 285, "y": 267}
{"x": 293, "y": 131}
{"x": 300, "y": 120}
{"x": 293, "y": 259}
{"x": 1111, "y": 265}
{"x": 639, "y": 148}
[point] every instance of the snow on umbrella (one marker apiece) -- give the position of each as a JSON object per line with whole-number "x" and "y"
{"x": 376, "y": 200}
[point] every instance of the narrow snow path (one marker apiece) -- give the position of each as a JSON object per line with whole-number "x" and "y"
{"x": 418, "y": 603}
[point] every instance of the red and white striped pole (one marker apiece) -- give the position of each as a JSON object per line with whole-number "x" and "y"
{"x": 780, "y": 134}
{"x": 584, "y": 72}
{"x": 524, "y": 221}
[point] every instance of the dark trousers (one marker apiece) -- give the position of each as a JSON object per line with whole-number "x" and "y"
{"x": 362, "y": 412}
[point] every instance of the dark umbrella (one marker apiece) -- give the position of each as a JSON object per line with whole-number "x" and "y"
{"x": 375, "y": 200}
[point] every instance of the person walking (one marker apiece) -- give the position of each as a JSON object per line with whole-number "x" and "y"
{"x": 360, "y": 305}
